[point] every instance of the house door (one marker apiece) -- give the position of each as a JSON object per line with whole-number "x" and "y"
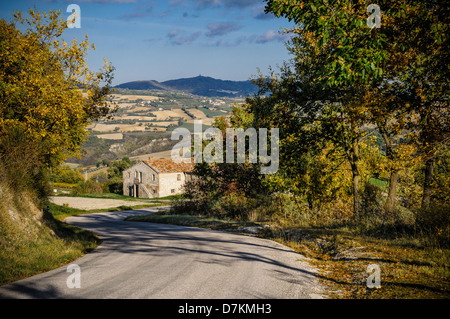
{"x": 131, "y": 190}
{"x": 137, "y": 190}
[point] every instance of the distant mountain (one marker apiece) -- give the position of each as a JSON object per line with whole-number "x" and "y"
{"x": 199, "y": 85}
{"x": 142, "y": 85}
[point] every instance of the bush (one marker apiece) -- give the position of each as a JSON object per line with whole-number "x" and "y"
{"x": 234, "y": 206}
{"x": 296, "y": 212}
{"x": 90, "y": 187}
{"x": 115, "y": 186}
{"x": 434, "y": 224}
{"x": 372, "y": 207}
{"x": 64, "y": 174}
{"x": 21, "y": 164}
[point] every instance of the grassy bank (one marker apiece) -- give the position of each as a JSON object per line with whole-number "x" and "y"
{"x": 408, "y": 269}
{"x": 33, "y": 241}
{"x": 33, "y": 244}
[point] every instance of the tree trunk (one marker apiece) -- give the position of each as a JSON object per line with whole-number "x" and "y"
{"x": 392, "y": 194}
{"x": 353, "y": 157}
{"x": 429, "y": 171}
{"x": 356, "y": 198}
{"x": 393, "y": 179}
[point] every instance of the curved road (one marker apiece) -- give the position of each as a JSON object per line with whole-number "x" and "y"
{"x": 146, "y": 260}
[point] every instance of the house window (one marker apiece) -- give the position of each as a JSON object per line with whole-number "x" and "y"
{"x": 140, "y": 177}
{"x": 178, "y": 177}
{"x": 136, "y": 174}
{"x": 172, "y": 190}
{"x": 153, "y": 177}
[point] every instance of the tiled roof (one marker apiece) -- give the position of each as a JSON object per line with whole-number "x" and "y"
{"x": 163, "y": 165}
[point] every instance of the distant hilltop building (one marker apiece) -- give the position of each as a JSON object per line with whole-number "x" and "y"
{"x": 156, "y": 178}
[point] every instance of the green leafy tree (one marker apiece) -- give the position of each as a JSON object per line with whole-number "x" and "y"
{"x": 115, "y": 178}
{"x": 400, "y": 66}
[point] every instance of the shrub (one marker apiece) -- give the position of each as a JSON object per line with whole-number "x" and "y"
{"x": 22, "y": 164}
{"x": 371, "y": 208}
{"x": 90, "y": 187}
{"x": 233, "y": 205}
{"x": 434, "y": 224}
{"x": 65, "y": 175}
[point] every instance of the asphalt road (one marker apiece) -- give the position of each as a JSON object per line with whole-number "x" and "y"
{"x": 145, "y": 260}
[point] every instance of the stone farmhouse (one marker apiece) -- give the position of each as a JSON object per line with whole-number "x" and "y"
{"x": 156, "y": 178}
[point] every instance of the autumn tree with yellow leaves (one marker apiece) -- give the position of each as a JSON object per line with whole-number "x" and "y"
{"x": 48, "y": 95}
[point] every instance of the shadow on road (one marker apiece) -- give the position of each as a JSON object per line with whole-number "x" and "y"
{"x": 164, "y": 241}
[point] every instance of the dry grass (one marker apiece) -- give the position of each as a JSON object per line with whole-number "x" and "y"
{"x": 166, "y": 114}
{"x": 205, "y": 121}
{"x": 135, "y": 117}
{"x": 111, "y": 136}
{"x": 197, "y": 113}
{"x": 408, "y": 269}
{"x": 120, "y": 97}
{"x": 163, "y": 154}
{"x": 126, "y": 127}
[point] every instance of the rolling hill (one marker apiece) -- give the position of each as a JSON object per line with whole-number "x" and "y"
{"x": 143, "y": 85}
{"x": 199, "y": 85}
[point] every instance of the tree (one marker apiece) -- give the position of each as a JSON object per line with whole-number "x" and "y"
{"x": 433, "y": 135}
{"x": 402, "y": 64}
{"x": 64, "y": 174}
{"x": 115, "y": 178}
{"x": 116, "y": 168}
{"x": 46, "y": 89}
{"x": 309, "y": 112}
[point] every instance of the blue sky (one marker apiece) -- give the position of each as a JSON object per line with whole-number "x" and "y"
{"x": 164, "y": 40}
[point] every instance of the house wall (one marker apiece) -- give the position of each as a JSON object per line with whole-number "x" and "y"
{"x": 150, "y": 182}
{"x": 146, "y": 186}
{"x": 170, "y": 185}
{"x": 161, "y": 185}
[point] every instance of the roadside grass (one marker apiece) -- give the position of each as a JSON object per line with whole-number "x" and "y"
{"x": 54, "y": 244}
{"x": 121, "y": 197}
{"x": 50, "y": 244}
{"x": 383, "y": 184}
{"x": 191, "y": 220}
{"x": 61, "y": 212}
{"x": 409, "y": 269}
{"x": 125, "y": 207}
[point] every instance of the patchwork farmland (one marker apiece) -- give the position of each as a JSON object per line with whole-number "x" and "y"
{"x": 158, "y": 112}
{"x": 144, "y": 120}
